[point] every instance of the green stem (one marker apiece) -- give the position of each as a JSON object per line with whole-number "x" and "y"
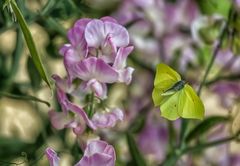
{"x": 173, "y": 158}
{"x": 234, "y": 77}
{"x": 90, "y": 110}
{"x": 215, "y": 52}
{"x": 200, "y": 147}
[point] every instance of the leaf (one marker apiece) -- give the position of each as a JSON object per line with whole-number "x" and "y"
{"x": 24, "y": 97}
{"x": 210, "y": 7}
{"x": 135, "y": 153}
{"x": 205, "y": 126}
{"x": 30, "y": 43}
{"x": 33, "y": 74}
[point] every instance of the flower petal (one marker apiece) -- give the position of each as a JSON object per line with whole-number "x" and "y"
{"x": 59, "y": 120}
{"x": 100, "y": 89}
{"x": 94, "y": 33}
{"x": 52, "y": 157}
{"x": 103, "y": 120}
{"x": 125, "y": 75}
{"x": 98, "y": 153}
{"x": 119, "y": 34}
{"x": 121, "y": 58}
{"x": 109, "y": 19}
{"x": 82, "y": 23}
{"x": 74, "y": 108}
{"x": 94, "y": 68}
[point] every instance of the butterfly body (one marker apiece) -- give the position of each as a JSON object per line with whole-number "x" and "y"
{"x": 174, "y": 96}
{"x": 176, "y": 87}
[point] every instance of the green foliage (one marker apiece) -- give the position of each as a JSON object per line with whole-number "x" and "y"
{"x": 204, "y": 126}
{"x": 210, "y": 7}
{"x": 30, "y": 43}
{"x": 137, "y": 157}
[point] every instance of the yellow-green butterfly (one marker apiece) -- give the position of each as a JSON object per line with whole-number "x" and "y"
{"x": 174, "y": 96}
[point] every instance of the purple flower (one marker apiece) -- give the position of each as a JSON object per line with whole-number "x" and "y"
{"x": 107, "y": 119}
{"x": 106, "y": 36}
{"x": 98, "y": 153}
{"x": 52, "y": 157}
{"x": 77, "y": 49}
{"x": 80, "y": 119}
{"x": 95, "y": 73}
{"x": 125, "y": 74}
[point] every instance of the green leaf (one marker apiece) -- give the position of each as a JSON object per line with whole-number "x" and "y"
{"x": 205, "y": 126}
{"x": 33, "y": 74}
{"x": 135, "y": 153}
{"x": 30, "y": 43}
{"x": 210, "y": 7}
{"x": 24, "y": 97}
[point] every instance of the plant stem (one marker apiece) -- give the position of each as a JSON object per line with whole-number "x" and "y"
{"x": 200, "y": 147}
{"x": 90, "y": 110}
{"x": 215, "y": 52}
{"x": 234, "y": 77}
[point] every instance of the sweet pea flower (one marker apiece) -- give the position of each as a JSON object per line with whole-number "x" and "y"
{"x": 97, "y": 153}
{"x": 77, "y": 49}
{"x": 59, "y": 120}
{"x": 79, "y": 119}
{"x": 52, "y": 157}
{"x": 95, "y": 73}
{"x": 104, "y": 36}
{"x": 125, "y": 74}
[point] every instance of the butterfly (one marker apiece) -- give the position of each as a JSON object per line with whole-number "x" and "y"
{"x": 174, "y": 96}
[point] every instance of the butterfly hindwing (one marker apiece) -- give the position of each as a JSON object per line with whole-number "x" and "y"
{"x": 169, "y": 106}
{"x": 190, "y": 105}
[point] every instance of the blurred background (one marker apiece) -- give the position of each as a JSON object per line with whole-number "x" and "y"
{"x": 181, "y": 33}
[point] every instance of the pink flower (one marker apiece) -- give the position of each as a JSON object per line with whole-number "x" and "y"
{"x": 52, "y": 157}
{"x": 78, "y": 122}
{"x": 95, "y": 73}
{"x": 125, "y": 73}
{"x": 98, "y": 153}
{"x": 104, "y": 37}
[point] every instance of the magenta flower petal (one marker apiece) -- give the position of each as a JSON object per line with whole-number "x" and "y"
{"x": 74, "y": 108}
{"x": 125, "y": 75}
{"x": 98, "y": 153}
{"x": 59, "y": 120}
{"x": 94, "y": 68}
{"x": 52, "y": 157}
{"x": 100, "y": 89}
{"x": 109, "y": 119}
{"x": 109, "y": 19}
{"x": 121, "y": 58}
{"x": 96, "y": 32}
{"x": 82, "y": 23}
{"x": 120, "y": 36}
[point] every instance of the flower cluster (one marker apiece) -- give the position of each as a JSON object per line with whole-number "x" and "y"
{"x": 96, "y": 55}
{"x": 96, "y": 153}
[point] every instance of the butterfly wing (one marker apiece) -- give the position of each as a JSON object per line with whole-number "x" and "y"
{"x": 165, "y": 78}
{"x": 169, "y": 106}
{"x": 190, "y": 105}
